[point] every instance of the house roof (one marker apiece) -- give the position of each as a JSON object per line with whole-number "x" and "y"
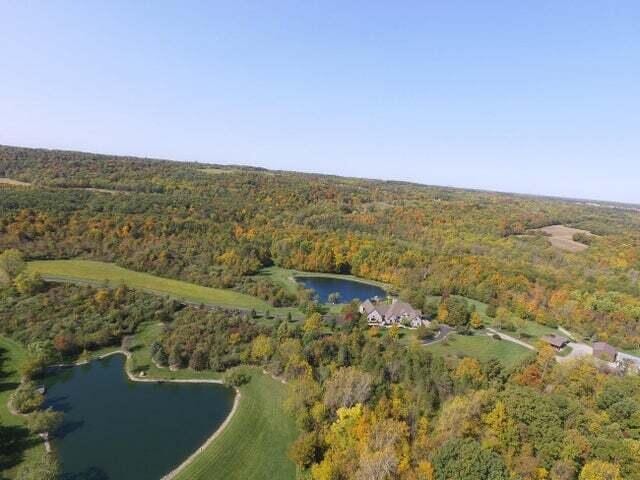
{"x": 602, "y": 347}
{"x": 400, "y": 309}
{"x": 557, "y": 341}
{"x": 368, "y": 307}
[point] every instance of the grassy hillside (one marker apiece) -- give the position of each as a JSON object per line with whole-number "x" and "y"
{"x": 481, "y": 347}
{"x": 101, "y": 273}
{"x": 254, "y": 445}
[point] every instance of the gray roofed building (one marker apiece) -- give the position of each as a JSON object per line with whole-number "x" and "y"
{"x": 556, "y": 341}
{"x": 604, "y": 351}
{"x": 397, "y": 312}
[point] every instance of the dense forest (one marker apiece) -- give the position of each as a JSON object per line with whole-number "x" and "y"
{"x": 368, "y": 406}
{"x": 216, "y": 225}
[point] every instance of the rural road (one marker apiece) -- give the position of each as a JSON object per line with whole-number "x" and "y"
{"x": 509, "y": 338}
{"x": 578, "y": 350}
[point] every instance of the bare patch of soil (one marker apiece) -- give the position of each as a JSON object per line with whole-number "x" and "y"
{"x": 16, "y": 183}
{"x": 561, "y": 237}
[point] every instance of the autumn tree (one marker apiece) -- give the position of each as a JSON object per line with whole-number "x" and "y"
{"x": 347, "y": 387}
{"x": 11, "y": 263}
{"x": 599, "y": 470}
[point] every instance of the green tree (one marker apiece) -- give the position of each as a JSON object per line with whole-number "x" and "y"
{"x": 28, "y": 283}
{"x": 12, "y": 262}
{"x": 44, "y": 467}
{"x": 26, "y": 398}
{"x": 304, "y": 450}
{"x": 465, "y": 459}
{"x": 44, "y": 421}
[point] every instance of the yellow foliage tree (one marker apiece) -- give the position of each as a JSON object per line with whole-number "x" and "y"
{"x": 476, "y": 321}
{"x": 599, "y": 470}
{"x": 261, "y": 348}
{"x": 443, "y": 313}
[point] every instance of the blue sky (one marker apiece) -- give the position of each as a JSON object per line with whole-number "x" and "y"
{"x": 536, "y": 97}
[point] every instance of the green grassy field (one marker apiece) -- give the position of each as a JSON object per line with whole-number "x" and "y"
{"x": 27, "y": 447}
{"x": 100, "y": 273}
{"x": 254, "y": 444}
{"x": 481, "y": 347}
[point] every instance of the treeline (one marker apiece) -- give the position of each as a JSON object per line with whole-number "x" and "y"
{"x": 216, "y": 229}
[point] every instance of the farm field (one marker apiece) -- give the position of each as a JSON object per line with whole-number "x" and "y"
{"x": 101, "y": 273}
{"x": 480, "y": 346}
{"x": 11, "y": 354}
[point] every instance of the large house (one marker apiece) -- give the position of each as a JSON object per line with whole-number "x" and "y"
{"x": 395, "y": 313}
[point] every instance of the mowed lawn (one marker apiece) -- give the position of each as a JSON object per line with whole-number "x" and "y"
{"x": 481, "y": 347}
{"x": 254, "y": 444}
{"x": 101, "y": 273}
{"x": 28, "y": 447}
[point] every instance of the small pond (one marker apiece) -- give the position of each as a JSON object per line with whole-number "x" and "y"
{"x": 347, "y": 288}
{"x": 120, "y": 430}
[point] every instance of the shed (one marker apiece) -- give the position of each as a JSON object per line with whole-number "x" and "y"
{"x": 556, "y": 341}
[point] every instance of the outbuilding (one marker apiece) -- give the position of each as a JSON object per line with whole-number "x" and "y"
{"x": 556, "y": 341}
{"x": 604, "y": 351}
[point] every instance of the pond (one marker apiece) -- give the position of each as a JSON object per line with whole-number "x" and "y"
{"x": 347, "y": 288}
{"x": 118, "y": 429}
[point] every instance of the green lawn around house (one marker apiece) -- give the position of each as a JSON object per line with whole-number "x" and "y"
{"x": 27, "y": 446}
{"x": 526, "y": 330}
{"x": 480, "y": 346}
{"x": 109, "y": 274}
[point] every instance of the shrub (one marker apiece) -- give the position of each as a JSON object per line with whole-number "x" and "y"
{"x": 44, "y": 421}
{"x": 26, "y": 398}
{"x": 237, "y": 379}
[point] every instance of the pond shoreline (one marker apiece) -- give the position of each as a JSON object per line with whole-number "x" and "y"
{"x": 236, "y": 401}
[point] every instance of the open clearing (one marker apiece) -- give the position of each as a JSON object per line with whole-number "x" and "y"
{"x": 108, "y": 274}
{"x": 481, "y": 347}
{"x": 17, "y": 183}
{"x": 561, "y": 237}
